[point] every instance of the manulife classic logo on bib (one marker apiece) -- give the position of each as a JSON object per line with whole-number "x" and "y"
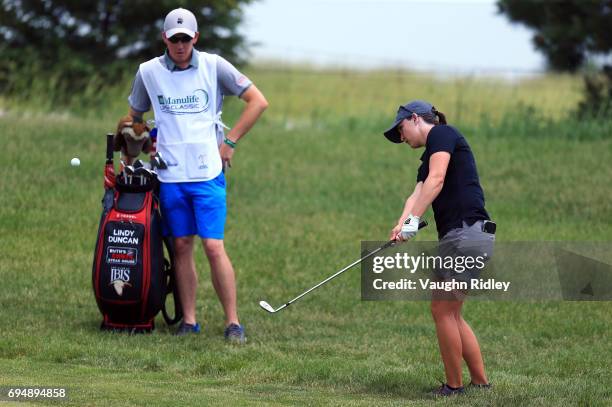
{"x": 189, "y": 104}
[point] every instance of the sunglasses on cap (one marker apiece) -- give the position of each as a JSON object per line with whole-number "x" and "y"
{"x": 403, "y": 109}
{"x": 404, "y": 113}
{"x": 182, "y": 38}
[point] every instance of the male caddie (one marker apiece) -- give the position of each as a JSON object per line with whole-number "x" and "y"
{"x": 185, "y": 87}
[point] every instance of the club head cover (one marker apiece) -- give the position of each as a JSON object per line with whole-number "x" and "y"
{"x": 132, "y": 137}
{"x": 119, "y": 139}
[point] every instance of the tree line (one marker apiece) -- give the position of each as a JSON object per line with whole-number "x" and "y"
{"x": 85, "y": 38}
{"x": 73, "y": 41}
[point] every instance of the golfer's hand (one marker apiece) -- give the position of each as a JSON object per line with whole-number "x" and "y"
{"x": 394, "y": 235}
{"x": 410, "y": 227}
{"x": 226, "y": 153}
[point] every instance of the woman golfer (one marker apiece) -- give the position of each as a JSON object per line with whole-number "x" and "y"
{"x": 447, "y": 179}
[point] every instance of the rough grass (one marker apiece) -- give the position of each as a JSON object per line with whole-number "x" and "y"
{"x": 313, "y": 179}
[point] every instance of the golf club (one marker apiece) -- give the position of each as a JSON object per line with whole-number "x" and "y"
{"x": 144, "y": 174}
{"x": 157, "y": 161}
{"x": 129, "y": 172}
{"x": 266, "y": 306}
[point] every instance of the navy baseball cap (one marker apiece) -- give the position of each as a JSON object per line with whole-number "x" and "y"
{"x": 420, "y": 107}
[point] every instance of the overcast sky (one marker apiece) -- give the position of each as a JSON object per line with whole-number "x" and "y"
{"x": 448, "y": 36}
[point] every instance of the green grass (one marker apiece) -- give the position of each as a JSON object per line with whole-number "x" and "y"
{"x": 311, "y": 181}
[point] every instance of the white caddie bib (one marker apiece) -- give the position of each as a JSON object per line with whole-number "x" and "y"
{"x": 184, "y": 103}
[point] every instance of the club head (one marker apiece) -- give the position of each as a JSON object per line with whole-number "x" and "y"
{"x": 129, "y": 170}
{"x": 145, "y": 175}
{"x": 266, "y": 306}
{"x": 155, "y": 163}
{"x": 138, "y": 164}
{"x": 159, "y": 161}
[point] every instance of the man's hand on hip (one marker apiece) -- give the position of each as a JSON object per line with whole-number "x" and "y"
{"x": 226, "y": 152}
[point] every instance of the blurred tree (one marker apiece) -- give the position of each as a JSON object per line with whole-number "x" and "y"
{"x": 571, "y": 34}
{"x": 84, "y": 37}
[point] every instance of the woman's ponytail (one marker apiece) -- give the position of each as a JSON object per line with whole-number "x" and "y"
{"x": 441, "y": 116}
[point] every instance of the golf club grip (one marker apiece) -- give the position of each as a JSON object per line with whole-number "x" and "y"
{"x": 109, "y": 148}
{"x": 392, "y": 242}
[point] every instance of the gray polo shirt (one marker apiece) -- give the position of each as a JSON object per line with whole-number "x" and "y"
{"x": 229, "y": 82}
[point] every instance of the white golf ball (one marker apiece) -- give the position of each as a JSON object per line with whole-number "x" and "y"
{"x": 75, "y": 162}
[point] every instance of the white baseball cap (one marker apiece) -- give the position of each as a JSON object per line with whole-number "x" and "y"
{"x": 180, "y": 20}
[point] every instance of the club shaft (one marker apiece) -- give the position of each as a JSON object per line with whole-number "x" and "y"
{"x": 386, "y": 245}
{"x": 390, "y": 243}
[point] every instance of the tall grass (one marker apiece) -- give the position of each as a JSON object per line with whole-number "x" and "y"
{"x": 305, "y": 97}
{"x": 341, "y": 94}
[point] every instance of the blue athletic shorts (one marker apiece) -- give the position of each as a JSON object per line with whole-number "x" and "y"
{"x": 194, "y": 208}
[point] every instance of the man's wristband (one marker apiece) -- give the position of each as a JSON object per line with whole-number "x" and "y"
{"x": 229, "y": 142}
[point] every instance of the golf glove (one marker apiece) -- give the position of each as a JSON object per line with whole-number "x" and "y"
{"x": 410, "y": 227}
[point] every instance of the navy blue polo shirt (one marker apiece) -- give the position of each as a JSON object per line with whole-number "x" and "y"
{"x": 461, "y": 198}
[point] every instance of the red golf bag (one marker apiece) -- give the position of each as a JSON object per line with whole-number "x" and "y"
{"x": 131, "y": 278}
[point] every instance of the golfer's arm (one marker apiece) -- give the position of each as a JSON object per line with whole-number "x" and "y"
{"x": 410, "y": 202}
{"x": 438, "y": 164}
{"x": 256, "y": 103}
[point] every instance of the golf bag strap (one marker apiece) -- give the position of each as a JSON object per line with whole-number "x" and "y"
{"x": 171, "y": 286}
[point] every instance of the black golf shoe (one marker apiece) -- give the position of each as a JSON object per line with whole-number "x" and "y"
{"x": 446, "y": 391}
{"x": 485, "y": 386}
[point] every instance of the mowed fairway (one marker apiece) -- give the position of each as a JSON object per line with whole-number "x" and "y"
{"x": 311, "y": 181}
